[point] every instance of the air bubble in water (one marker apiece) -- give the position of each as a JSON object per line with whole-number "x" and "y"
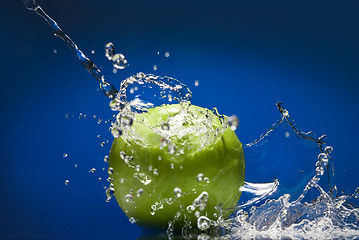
{"x": 233, "y": 122}
{"x": 109, "y": 50}
{"x": 203, "y": 223}
{"x": 200, "y": 177}
{"x": 178, "y": 192}
{"x": 128, "y": 197}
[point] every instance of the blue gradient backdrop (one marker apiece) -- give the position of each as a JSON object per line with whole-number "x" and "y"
{"x": 246, "y": 55}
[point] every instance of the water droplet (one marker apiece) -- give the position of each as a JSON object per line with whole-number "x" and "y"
{"x": 139, "y": 192}
{"x": 190, "y": 208}
{"x": 119, "y": 61}
{"x": 172, "y": 166}
{"x": 128, "y": 197}
{"x": 65, "y": 155}
{"x": 110, "y": 171}
{"x": 122, "y": 155}
{"x": 105, "y": 159}
{"x": 93, "y": 52}
{"x": 155, "y": 171}
{"x": 109, "y": 179}
{"x": 155, "y": 67}
{"x": 159, "y": 158}
{"x": 178, "y": 192}
{"x": 55, "y": 51}
{"x": 138, "y": 168}
{"x": 127, "y": 120}
{"x": 167, "y": 54}
{"x": 109, "y": 50}
{"x": 93, "y": 170}
{"x": 102, "y": 144}
{"x": 98, "y": 136}
{"x": 132, "y": 220}
{"x": 206, "y": 179}
{"x": 67, "y": 115}
{"x": 110, "y": 192}
{"x": 197, "y": 214}
{"x": 196, "y": 83}
{"x": 150, "y": 168}
{"x": 200, "y": 177}
{"x": 116, "y": 133}
{"x": 67, "y": 182}
{"x": 75, "y": 165}
{"x": 99, "y": 179}
{"x": 165, "y": 126}
{"x": 203, "y": 223}
{"x": 287, "y": 134}
{"x": 171, "y": 149}
{"x": 328, "y": 150}
{"x": 233, "y": 122}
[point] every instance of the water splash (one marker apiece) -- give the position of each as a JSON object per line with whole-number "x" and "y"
{"x": 108, "y": 89}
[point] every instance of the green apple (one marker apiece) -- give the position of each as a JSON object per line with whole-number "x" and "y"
{"x": 175, "y": 163}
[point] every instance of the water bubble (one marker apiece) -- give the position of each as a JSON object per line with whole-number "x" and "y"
{"x": 31, "y": 4}
{"x": 203, "y": 223}
{"x": 139, "y": 192}
{"x": 119, "y": 61}
{"x": 165, "y": 126}
{"x": 109, "y": 50}
{"x": 132, "y": 220}
{"x": 233, "y": 122}
{"x": 67, "y": 182}
{"x": 65, "y": 155}
{"x": 93, "y": 170}
{"x": 167, "y": 54}
{"x": 110, "y": 171}
{"x": 178, "y": 192}
{"x": 328, "y": 149}
{"x": 128, "y": 197}
{"x": 196, "y": 83}
{"x": 200, "y": 177}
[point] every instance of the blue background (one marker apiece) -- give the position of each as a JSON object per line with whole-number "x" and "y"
{"x": 246, "y": 55}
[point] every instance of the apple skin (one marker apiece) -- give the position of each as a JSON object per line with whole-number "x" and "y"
{"x": 145, "y": 183}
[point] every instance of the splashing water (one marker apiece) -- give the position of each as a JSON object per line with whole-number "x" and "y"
{"x": 297, "y": 197}
{"x": 108, "y": 89}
